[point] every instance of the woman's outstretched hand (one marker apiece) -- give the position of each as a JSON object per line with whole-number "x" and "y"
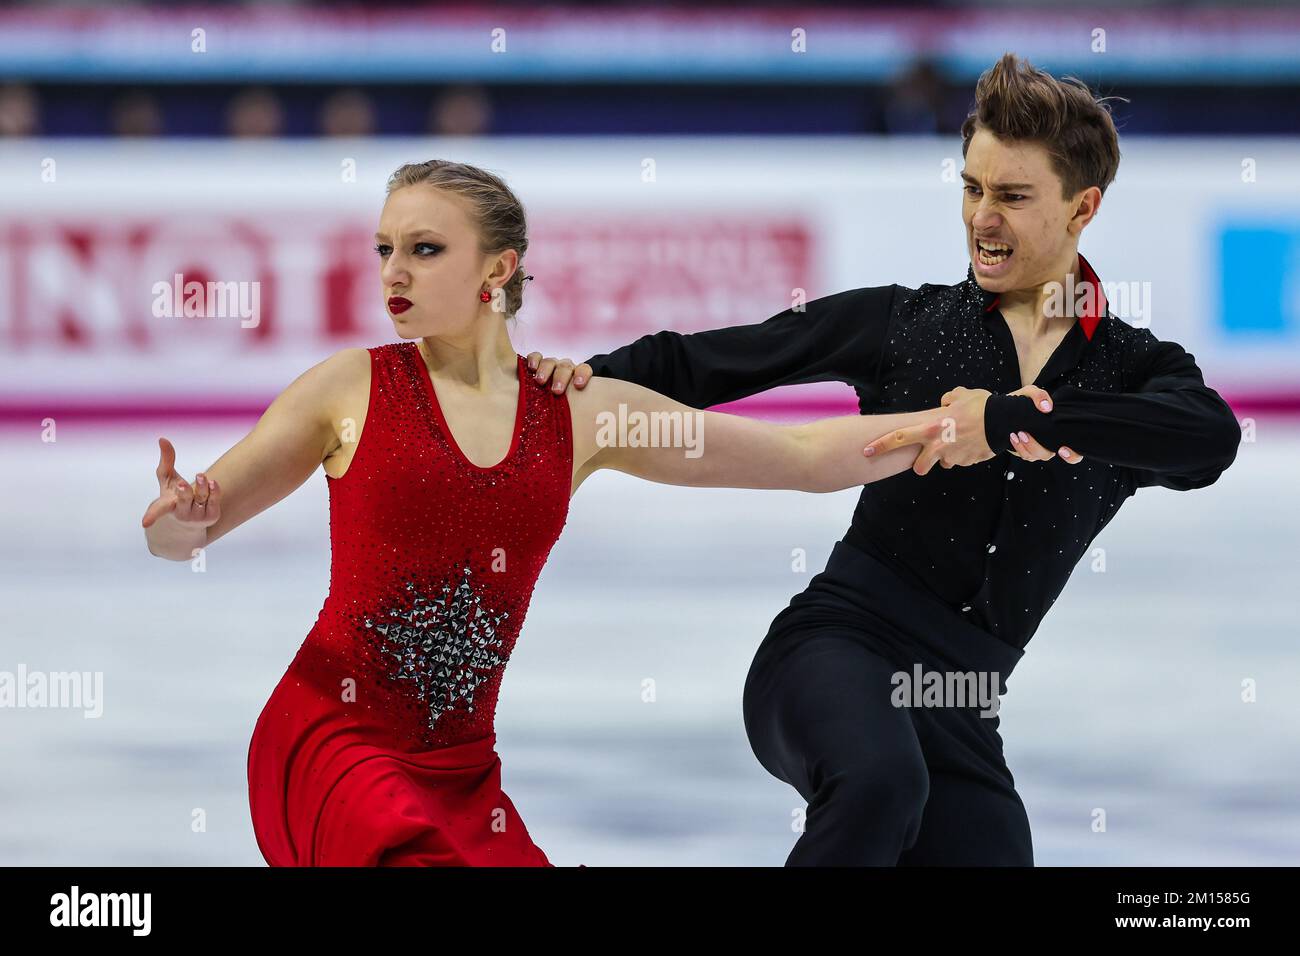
{"x": 962, "y": 441}
{"x": 197, "y": 505}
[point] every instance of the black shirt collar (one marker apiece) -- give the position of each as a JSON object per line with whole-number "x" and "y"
{"x": 1088, "y": 321}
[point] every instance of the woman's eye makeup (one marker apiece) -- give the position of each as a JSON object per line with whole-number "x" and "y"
{"x": 384, "y": 250}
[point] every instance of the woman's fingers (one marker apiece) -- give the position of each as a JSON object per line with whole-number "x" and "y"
{"x": 162, "y": 505}
{"x": 1023, "y": 444}
{"x": 167, "y": 502}
{"x": 166, "y": 462}
{"x": 197, "y": 503}
{"x": 184, "y": 499}
{"x": 212, "y": 505}
{"x": 192, "y": 498}
{"x": 1042, "y": 401}
{"x": 1028, "y": 449}
{"x": 201, "y": 489}
{"x": 922, "y": 435}
{"x": 911, "y": 435}
{"x": 927, "y": 458}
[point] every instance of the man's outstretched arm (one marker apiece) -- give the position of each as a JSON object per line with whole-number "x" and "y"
{"x": 835, "y": 338}
{"x": 1170, "y": 428}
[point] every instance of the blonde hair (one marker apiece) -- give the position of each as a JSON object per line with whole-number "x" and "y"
{"x": 497, "y": 212}
{"x": 1014, "y": 100}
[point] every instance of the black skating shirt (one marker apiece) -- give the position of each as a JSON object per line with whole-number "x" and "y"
{"x": 997, "y": 540}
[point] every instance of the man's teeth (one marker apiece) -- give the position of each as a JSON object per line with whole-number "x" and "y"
{"x": 993, "y": 252}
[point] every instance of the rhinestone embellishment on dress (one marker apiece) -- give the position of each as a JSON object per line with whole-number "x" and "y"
{"x": 447, "y": 646}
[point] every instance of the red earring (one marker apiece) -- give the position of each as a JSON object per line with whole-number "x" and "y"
{"x": 485, "y": 296}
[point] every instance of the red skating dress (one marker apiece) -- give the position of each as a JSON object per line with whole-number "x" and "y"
{"x": 377, "y": 746}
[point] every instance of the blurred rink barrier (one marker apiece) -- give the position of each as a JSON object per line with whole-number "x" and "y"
{"x": 199, "y": 277}
{"x": 548, "y": 43}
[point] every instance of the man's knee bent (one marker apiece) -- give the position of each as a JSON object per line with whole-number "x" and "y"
{"x": 882, "y": 792}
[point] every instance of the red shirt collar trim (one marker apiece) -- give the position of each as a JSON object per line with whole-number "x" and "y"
{"x": 1091, "y": 317}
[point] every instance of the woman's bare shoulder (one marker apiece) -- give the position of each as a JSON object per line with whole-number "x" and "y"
{"x": 335, "y": 382}
{"x": 346, "y": 370}
{"x": 600, "y": 394}
{"x": 346, "y": 363}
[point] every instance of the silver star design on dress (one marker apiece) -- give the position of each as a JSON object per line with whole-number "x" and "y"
{"x": 447, "y": 646}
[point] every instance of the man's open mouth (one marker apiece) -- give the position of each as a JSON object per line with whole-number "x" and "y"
{"x": 991, "y": 253}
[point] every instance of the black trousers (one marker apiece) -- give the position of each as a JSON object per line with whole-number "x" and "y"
{"x": 885, "y": 785}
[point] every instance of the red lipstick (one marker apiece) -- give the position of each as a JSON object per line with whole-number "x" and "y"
{"x": 397, "y": 305}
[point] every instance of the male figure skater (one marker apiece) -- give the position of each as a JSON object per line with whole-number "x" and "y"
{"x": 953, "y": 570}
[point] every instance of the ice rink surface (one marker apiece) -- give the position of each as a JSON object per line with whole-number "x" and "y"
{"x": 1129, "y": 698}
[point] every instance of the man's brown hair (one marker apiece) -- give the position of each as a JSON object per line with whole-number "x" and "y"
{"x": 1014, "y": 100}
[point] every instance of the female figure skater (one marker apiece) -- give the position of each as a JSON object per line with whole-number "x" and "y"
{"x": 449, "y": 477}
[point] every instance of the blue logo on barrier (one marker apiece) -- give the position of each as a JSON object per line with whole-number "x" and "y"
{"x": 1259, "y": 294}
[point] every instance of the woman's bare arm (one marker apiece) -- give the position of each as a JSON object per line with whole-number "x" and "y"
{"x": 713, "y": 449}
{"x": 290, "y": 440}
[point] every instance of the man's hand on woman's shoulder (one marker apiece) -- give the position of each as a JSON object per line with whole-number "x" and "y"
{"x": 558, "y": 372}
